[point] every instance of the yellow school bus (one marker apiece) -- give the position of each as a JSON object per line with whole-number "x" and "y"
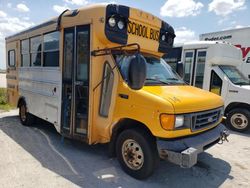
{"x": 97, "y": 75}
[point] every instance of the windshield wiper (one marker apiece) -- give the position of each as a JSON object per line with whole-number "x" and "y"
{"x": 242, "y": 83}
{"x": 156, "y": 80}
{"x": 176, "y": 79}
{"x": 173, "y": 79}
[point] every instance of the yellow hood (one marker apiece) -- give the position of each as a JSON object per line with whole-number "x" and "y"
{"x": 186, "y": 98}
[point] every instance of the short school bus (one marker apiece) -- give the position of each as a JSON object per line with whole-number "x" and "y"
{"x": 97, "y": 75}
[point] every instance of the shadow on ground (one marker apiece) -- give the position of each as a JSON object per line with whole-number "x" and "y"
{"x": 89, "y": 166}
{"x": 246, "y": 133}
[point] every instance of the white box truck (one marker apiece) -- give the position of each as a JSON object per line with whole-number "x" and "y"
{"x": 238, "y": 37}
{"x": 213, "y": 66}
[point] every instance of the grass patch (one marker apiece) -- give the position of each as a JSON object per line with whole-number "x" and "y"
{"x": 3, "y": 100}
{"x": 5, "y": 107}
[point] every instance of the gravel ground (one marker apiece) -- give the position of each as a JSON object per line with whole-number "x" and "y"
{"x": 36, "y": 157}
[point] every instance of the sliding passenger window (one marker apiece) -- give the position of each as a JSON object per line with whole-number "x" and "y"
{"x": 11, "y": 58}
{"x": 25, "y": 53}
{"x": 35, "y": 50}
{"x": 215, "y": 83}
{"x": 107, "y": 87}
{"x": 51, "y": 49}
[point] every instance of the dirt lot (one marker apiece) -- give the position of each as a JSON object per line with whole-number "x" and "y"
{"x": 36, "y": 157}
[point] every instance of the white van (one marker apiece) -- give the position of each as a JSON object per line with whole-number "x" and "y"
{"x": 213, "y": 66}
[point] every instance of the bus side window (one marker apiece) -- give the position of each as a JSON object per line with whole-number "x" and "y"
{"x": 35, "y": 50}
{"x": 25, "y": 53}
{"x": 215, "y": 83}
{"x": 11, "y": 58}
{"x": 106, "y": 92}
{"x": 51, "y": 49}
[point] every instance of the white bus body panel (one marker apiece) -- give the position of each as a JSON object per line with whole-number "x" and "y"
{"x": 240, "y": 38}
{"x": 41, "y": 88}
{"x": 218, "y": 53}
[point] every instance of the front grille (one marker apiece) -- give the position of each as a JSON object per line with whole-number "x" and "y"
{"x": 205, "y": 119}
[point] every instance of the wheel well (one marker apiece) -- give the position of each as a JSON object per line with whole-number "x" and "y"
{"x": 20, "y": 100}
{"x": 236, "y": 105}
{"x": 122, "y": 125}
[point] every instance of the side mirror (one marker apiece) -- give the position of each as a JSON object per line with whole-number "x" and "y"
{"x": 180, "y": 69}
{"x": 249, "y": 76}
{"x": 137, "y": 72}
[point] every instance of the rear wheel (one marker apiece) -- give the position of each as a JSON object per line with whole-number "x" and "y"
{"x": 137, "y": 154}
{"x": 238, "y": 119}
{"x": 26, "y": 118}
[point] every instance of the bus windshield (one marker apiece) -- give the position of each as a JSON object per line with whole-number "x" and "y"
{"x": 158, "y": 71}
{"x": 234, "y": 75}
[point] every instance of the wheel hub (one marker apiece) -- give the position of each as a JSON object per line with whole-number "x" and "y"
{"x": 132, "y": 154}
{"x": 239, "y": 121}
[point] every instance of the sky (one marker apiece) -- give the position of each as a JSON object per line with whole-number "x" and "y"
{"x": 190, "y": 18}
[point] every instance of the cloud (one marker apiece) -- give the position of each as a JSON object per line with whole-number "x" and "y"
{"x": 8, "y": 26}
{"x": 235, "y": 26}
{"x": 22, "y": 7}
{"x": 77, "y": 2}
{"x": 225, "y": 7}
{"x": 185, "y": 35}
{"x": 60, "y": 9}
{"x": 2, "y": 14}
{"x": 181, "y": 8}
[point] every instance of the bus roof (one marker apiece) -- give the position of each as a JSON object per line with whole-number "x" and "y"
{"x": 54, "y": 20}
{"x": 154, "y": 35}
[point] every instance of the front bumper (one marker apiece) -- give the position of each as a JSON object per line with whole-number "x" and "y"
{"x": 184, "y": 151}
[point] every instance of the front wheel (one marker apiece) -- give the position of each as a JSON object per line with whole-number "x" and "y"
{"x": 137, "y": 154}
{"x": 238, "y": 119}
{"x": 26, "y": 118}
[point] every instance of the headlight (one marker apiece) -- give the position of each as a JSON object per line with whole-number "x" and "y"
{"x": 112, "y": 22}
{"x": 170, "y": 122}
{"x": 163, "y": 37}
{"x": 121, "y": 24}
{"x": 179, "y": 121}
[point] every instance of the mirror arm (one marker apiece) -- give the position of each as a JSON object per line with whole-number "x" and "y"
{"x": 109, "y": 51}
{"x": 104, "y": 78}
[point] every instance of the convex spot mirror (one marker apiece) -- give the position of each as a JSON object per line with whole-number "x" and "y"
{"x": 137, "y": 72}
{"x": 180, "y": 69}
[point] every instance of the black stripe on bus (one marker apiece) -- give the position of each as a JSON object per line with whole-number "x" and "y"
{"x": 165, "y": 46}
{"x": 114, "y": 34}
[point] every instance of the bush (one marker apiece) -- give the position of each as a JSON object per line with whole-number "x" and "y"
{"x": 3, "y": 96}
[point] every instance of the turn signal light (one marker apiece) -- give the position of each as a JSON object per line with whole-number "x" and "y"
{"x": 167, "y": 121}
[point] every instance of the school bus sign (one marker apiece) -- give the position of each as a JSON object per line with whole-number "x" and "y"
{"x": 143, "y": 31}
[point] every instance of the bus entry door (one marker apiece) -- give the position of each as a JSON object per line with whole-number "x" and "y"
{"x": 75, "y": 82}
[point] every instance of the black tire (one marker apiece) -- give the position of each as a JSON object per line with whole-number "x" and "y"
{"x": 26, "y": 118}
{"x": 238, "y": 119}
{"x": 148, "y": 148}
